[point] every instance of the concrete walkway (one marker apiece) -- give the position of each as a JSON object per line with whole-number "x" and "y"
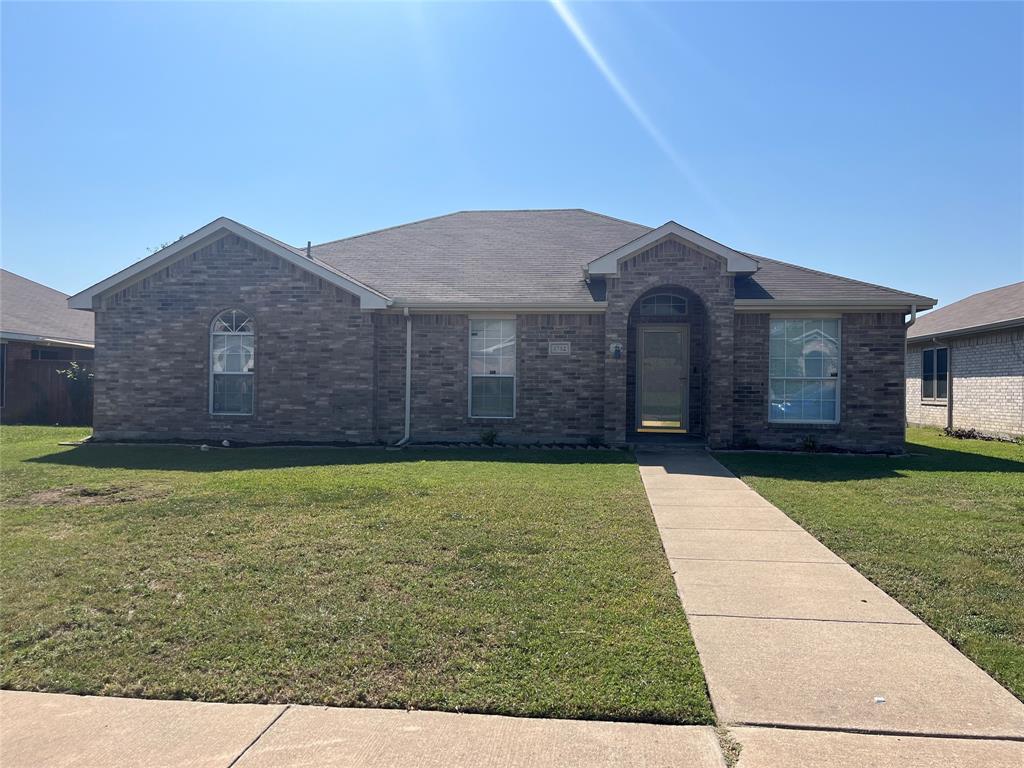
{"x": 57, "y": 731}
{"x": 791, "y": 636}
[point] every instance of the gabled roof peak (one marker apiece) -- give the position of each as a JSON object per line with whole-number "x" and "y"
{"x": 369, "y": 298}
{"x": 736, "y": 261}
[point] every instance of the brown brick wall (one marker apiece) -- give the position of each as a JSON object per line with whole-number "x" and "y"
{"x": 667, "y": 264}
{"x": 326, "y": 371}
{"x": 557, "y": 397}
{"x": 871, "y": 415}
{"x": 314, "y": 352}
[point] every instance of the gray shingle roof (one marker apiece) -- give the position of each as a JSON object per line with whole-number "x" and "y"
{"x": 537, "y": 257}
{"x": 779, "y": 281}
{"x": 997, "y": 307}
{"x": 30, "y": 308}
{"x": 482, "y": 256}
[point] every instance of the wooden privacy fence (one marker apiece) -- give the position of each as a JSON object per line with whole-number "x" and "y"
{"x": 37, "y": 394}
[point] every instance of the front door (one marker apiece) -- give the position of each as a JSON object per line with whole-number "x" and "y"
{"x": 663, "y": 364}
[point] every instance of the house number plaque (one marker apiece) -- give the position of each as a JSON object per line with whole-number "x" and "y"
{"x": 558, "y": 348}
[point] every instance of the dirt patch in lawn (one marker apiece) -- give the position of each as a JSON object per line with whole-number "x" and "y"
{"x": 80, "y": 496}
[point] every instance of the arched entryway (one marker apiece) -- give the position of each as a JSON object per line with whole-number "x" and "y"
{"x": 667, "y": 354}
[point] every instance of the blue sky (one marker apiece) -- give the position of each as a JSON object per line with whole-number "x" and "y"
{"x": 877, "y": 140}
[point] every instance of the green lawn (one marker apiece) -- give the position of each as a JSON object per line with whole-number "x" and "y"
{"x": 507, "y": 581}
{"x": 941, "y": 530}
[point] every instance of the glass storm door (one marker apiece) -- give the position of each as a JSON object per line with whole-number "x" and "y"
{"x": 663, "y": 378}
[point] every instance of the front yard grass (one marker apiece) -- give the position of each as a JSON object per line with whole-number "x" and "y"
{"x": 941, "y": 530}
{"x": 504, "y": 581}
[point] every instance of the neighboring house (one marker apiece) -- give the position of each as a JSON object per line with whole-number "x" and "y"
{"x": 551, "y": 325}
{"x": 40, "y": 335}
{"x": 965, "y": 364}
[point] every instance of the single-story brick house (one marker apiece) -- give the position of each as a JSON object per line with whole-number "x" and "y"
{"x": 965, "y": 364}
{"x": 550, "y": 325}
{"x": 40, "y": 336}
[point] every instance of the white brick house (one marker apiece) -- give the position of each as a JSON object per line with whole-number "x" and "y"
{"x": 965, "y": 364}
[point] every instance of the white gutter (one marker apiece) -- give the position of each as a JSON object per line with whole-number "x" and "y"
{"x": 855, "y": 305}
{"x": 408, "y": 378}
{"x": 475, "y": 306}
{"x": 46, "y": 340}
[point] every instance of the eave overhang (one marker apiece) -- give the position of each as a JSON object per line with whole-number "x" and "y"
{"x": 481, "y": 306}
{"x": 905, "y": 304}
{"x": 45, "y": 340}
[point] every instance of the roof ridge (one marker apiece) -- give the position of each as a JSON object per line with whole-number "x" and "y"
{"x": 34, "y": 282}
{"x": 481, "y": 210}
{"x": 613, "y": 218}
{"x": 839, "y": 277}
{"x": 387, "y": 229}
{"x": 555, "y": 210}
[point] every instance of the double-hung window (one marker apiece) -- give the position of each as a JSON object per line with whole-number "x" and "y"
{"x": 935, "y": 374}
{"x": 803, "y": 370}
{"x": 492, "y": 368}
{"x": 232, "y": 363}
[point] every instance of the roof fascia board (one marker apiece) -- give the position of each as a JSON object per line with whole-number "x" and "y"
{"x": 854, "y": 305}
{"x": 735, "y": 261}
{"x": 470, "y": 306}
{"x": 47, "y": 340}
{"x": 970, "y": 330}
{"x": 368, "y": 298}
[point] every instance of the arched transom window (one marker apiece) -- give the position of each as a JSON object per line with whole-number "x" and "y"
{"x": 232, "y": 363}
{"x": 663, "y": 304}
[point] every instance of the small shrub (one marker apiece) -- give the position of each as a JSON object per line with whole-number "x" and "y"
{"x": 488, "y": 437}
{"x": 810, "y": 444}
{"x": 965, "y": 433}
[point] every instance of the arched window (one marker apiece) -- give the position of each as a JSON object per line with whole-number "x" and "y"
{"x": 232, "y": 363}
{"x": 663, "y": 305}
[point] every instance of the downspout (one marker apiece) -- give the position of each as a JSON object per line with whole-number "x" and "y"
{"x": 408, "y": 379}
{"x": 949, "y": 383}
{"x": 906, "y": 351}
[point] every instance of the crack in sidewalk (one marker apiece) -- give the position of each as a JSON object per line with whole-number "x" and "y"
{"x": 259, "y": 736}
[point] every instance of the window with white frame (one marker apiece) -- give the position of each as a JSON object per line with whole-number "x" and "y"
{"x": 803, "y": 370}
{"x": 935, "y": 374}
{"x": 232, "y": 363}
{"x": 663, "y": 304}
{"x": 492, "y": 368}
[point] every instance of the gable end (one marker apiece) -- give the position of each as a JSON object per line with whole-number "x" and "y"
{"x": 368, "y": 297}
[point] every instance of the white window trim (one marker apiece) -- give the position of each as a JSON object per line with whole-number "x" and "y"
{"x": 935, "y": 400}
{"x": 654, "y": 313}
{"x": 469, "y": 367}
{"x": 212, "y": 333}
{"x": 838, "y": 376}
